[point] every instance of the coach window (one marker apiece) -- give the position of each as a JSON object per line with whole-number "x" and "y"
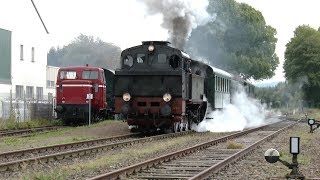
{"x": 223, "y": 85}
{"x": 90, "y": 75}
{"x": 218, "y": 83}
{"x": 141, "y": 58}
{"x": 227, "y": 86}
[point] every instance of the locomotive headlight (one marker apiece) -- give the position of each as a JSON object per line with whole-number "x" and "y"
{"x": 166, "y": 97}
{"x": 126, "y": 97}
{"x": 151, "y": 48}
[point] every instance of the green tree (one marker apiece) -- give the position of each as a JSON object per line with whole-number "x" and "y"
{"x": 238, "y": 40}
{"x": 85, "y": 50}
{"x": 283, "y": 95}
{"x": 302, "y": 62}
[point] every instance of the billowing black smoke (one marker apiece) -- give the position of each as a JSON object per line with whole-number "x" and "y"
{"x": 179, "y": 17}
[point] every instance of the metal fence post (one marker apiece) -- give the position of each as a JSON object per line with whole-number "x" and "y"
{"x": 24, "y": 105}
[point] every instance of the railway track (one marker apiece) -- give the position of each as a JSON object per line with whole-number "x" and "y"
{"x": 15, "y": 160}
{"x": 27, "y": 132}
{"x": 200, "y": 161}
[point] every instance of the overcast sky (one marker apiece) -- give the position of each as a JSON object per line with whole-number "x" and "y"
{"x": 124, "y": 22}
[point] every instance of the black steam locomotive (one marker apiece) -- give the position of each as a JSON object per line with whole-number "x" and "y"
{"x": 159, "y": 87}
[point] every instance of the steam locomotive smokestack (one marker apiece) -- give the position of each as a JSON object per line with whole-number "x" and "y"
{"x": 179, "y": 17}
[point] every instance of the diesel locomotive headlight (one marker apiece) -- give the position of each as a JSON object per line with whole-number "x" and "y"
{"x": 166, "y": 97}
{"x": 151, "y": 48}
{"x": 126, "y": 97}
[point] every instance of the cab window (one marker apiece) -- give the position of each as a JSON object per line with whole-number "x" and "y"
{"x": 141, "y": 58}
{"x": 128, "y": 61}
{"x": 90, "y": 75}
{"x": 65, "y": 74}
{"x": 103, "y": 77}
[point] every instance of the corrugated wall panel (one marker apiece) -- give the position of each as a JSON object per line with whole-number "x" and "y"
{"x": 5, "y": 56}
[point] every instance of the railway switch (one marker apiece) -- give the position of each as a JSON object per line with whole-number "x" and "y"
{"x": 313, "y": 124}
{"x": 273, "y": 156}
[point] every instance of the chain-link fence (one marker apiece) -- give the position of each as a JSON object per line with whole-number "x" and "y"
{"x": 26, "y": 109}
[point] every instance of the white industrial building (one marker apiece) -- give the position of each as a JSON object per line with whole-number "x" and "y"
{"x": 24, "y": 74}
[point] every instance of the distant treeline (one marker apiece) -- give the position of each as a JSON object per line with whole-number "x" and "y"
{"x": 85, "y": 50}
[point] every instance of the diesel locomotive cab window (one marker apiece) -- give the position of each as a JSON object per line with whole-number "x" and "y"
{"x": 90, "y": 75}
{"x": 68, "y": 75}
{"x": 128, "y": 61}
{"x": 141, "y": 58}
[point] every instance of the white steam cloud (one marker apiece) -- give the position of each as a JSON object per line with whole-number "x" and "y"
{"x": 179, "y": 17}
{"x": 244, "y": 112}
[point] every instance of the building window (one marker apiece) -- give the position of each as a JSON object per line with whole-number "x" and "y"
{"x": 19, "y": 92}
{"x": 32, "y": 54}
{"x": 50, "y": 84}
{"x": 21, "y": 52}
{"x": 39, "y": 93}
{"x": 29, "y": 93}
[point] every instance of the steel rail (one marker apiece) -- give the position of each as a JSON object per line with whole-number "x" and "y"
{"x": 63, "y": 146}
{"x": 123, "y": 172}
{"x": 27, "y": 131}
{"x": 215, "y": 168}
{"x": 15, "y": 165}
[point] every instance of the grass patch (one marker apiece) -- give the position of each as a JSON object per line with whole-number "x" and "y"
{"x": 312, "y": 113}
{"x": 234, "y": 145}
{"x": 57, "y": 175}
{"x": 42, "y": 136}
{"x": 306, "y": 140}
{"x": 12, "y": 124}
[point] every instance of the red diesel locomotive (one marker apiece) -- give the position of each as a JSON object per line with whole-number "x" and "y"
{"x": 73, "y": 85}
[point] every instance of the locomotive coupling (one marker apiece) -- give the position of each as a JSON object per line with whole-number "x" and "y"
{"x": 125, "y": 109}
{"x": 165, "y": 110}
